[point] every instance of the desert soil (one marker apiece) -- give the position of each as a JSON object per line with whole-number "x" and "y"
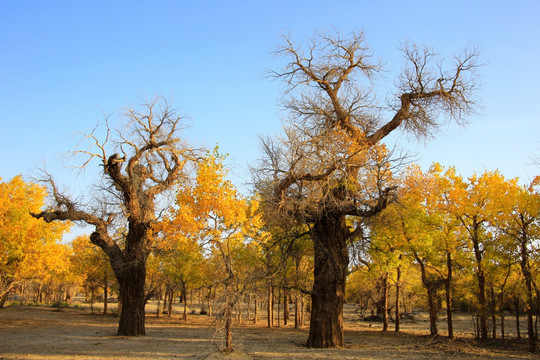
{"x": 45, "y": 333}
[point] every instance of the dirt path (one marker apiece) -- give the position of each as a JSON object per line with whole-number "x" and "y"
{"x": 44, "y": 333}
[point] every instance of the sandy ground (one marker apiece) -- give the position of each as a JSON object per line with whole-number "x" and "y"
{"x": 45, "y": 333}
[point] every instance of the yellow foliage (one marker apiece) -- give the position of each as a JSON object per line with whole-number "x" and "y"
{"x": 29, "y": 247}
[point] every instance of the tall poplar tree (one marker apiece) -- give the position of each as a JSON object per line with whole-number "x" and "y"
{"x": 330, "y": 167}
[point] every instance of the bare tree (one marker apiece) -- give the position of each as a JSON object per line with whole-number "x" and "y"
{"x": 156, "y": 159}
{"x": 330, "y": 166}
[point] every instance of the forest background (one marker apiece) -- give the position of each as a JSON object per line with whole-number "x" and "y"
{"x": 57, "y": 58}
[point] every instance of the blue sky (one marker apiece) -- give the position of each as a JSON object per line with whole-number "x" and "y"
{"x": 63, "y": 64}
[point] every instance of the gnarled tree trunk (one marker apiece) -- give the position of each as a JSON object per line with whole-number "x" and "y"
{"x": 331, "y": 260}
{"x": 133, "y": 300}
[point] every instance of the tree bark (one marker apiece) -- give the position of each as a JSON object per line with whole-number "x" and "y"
{"x": 478, "y": 254}
{"x": 132, "y": 295}
{"x": 516, "y": 304}
{"x": 329, "y": 235}
{"x": 228, "y": 320}
{"x": 270, "y": 306}
{"x": 285, "y": 306}
{"x": 493, "y": 313}
{"x": 105, "y": 294}
{"x": 297, "y": 310}
{"x": 448, "y": 289}
{"x": 3, "y": 299}
{"x": 255, "y": 309}
{"x": 398, "y": 288}
{"x": 385, "y": 301}
{"x": 184, "y": 298}
{"x": 525, "y": 270}
{"x": 431, "y": 289}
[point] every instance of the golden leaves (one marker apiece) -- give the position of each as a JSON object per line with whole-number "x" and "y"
{"x": 29, "y": 247}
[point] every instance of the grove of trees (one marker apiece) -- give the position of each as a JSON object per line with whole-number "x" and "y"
{"x": 334, "y": 214}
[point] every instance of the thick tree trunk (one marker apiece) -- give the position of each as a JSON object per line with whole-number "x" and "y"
{"x": 330, "y": 271}
{"x": 132, "y": 296}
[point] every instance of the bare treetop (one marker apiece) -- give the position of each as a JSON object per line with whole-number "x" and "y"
{"x": 153, "y": 160}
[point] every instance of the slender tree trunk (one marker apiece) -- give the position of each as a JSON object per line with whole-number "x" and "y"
{"x": 398, "y": 288}
{"x": 297, "y": 310}
{"x": 208, "y": 299}
{"x": 432, "y": 301}
{"x": 482, "y": 311}
{"x": 92, "y": 300}
{"x": 525, "y": 270}
{"x": 255, "y": 308}
{"x": 184, "y": 291}
{"x": 385, "y": 301}
{"x": 279, "y": 307}
{"x": 105, "y": 294}
{"x": 228, "y": 320}
{"x": 329, "y": 235}
{"x": 516, "y": 304}
{"x": 248, "y": 313}
{"x": 158, "y": 303}
{"x": 448, "y": 290}
{"x": 431, "y": 289}
{"x": 501, "y": 314}
{"x": 238, "y": 312}
{"x": 493, "y": 313}
{"x": 270, "y": 306}
{"x": 285, "y": 306}
{"x": 302, "y": 311}
{"x": 170, "y": 302}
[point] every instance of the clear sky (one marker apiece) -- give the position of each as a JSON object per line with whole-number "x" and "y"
{"x": 63, "y": 64}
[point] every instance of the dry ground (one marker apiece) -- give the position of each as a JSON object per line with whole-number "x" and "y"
{"x": 44, "y": 333}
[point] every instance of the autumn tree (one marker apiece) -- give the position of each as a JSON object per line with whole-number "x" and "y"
{"x": 153, "y": 160}
{"x": 92, "y": 265}
{"x": 432, "y": 231}
{"x": 179, "y": 260}
{"x": 28, "y": 248}
{"x": 520, "y": 221}
{"x": 474, "y": 204}
{"x": 214, "y": 213}
{"x": 330, "y": 164}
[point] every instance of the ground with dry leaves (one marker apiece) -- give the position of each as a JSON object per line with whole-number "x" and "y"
{"x": 45, "y": 333}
